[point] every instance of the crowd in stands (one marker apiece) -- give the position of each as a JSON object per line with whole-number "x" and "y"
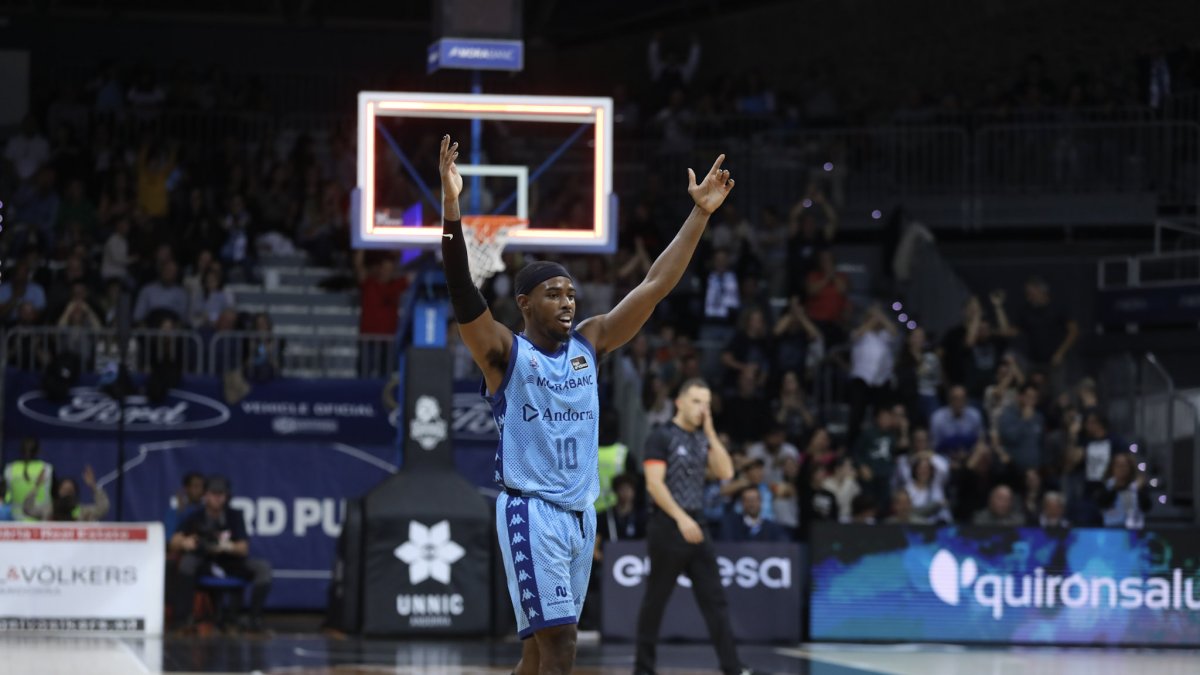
{"x": 981, "y": 424}
{"x": 986, "y": 423}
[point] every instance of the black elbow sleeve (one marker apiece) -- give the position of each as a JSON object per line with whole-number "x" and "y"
{"x": 465, "y": 298}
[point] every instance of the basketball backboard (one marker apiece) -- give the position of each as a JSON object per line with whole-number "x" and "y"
{"x": 548, "y": 160}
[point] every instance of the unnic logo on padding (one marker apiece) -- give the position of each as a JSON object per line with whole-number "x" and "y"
{"x": 947, "y": 576}
{"x": 429, "y": 552}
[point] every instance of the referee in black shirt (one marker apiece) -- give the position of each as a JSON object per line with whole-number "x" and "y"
{"x": 678, "y": 456}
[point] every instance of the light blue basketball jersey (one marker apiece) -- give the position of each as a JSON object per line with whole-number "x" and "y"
{"x": 548, "y": 412}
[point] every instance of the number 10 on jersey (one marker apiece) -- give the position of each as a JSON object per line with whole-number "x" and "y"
{"x": 566, "y": 450}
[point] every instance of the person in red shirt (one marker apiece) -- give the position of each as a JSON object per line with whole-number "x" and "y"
{"x": 380, "y": 290}
{"x": 827, "y": 303}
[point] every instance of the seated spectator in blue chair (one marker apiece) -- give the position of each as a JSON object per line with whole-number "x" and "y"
{"x": 752, "y": 525}
{"x": 188, "y": 500}
{"x": 64, "y": 500}
{"x": 213, "y": 543}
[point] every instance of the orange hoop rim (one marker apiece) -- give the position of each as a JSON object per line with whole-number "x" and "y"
{"x": 485, "y": 228}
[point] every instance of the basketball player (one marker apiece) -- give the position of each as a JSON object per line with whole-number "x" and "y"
{"x": 542, "y": 387}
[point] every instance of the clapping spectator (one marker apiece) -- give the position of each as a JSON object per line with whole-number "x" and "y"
{"x": 212, "y": 299}
{"x": 790, "y": 408}
{"x": 1124, "y": 500}
{"x": 807, "y": 238}
{"x": 797, "y": 339}
{"x": 918, "y": 376}
{"x": 827, "y": 302}
{"x": 871, "y": 364}
{"x": 750, "y": 348}
{"x": 1020, "y": 429}
{"x": 117, "y": 256}
{"x": 842, "y": 483}
{"x": 876, "y": 449}
{"x": 1004, "y": 391}
{"x": 64, "y": 500}
{"x": 926, "y": 494}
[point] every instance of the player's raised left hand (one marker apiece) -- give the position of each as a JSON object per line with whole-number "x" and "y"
{"x": 711, "y": 192}
{"x": 452, "y": 182}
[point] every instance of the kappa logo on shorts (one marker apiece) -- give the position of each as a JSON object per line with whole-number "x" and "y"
{"x": 522, "y": 576}
{"x": 520, "y": 557}
{"x": 579, "y": 363}
{"x": 516, "y": 520}
{"x": 517, "y": 538}
{"x": 526, "y": 594}
{"x": 516, "y": 502}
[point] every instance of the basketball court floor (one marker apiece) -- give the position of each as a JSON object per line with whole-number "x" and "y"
{"x": 311, "y": 654}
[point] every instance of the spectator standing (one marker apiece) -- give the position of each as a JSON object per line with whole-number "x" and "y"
{"x": 117, "y": 257}
{"x": 791, "y": 410}
{"x": 918, "y": 376}
{"x": 1020, "y": 429}
{"x": 750, "y": 347}
{"x": 212, "y": 299}
{"x": 774, "y": 450}
{"x": 22, "y": 476}
{"x": 927, "y": 499}
{"x": 871, "y": 365}
{"x": 1049, "y": 334}
{"x": 876, "y": 449}
{"x": 797, "y": 340}
{"x": 827, "y": 302}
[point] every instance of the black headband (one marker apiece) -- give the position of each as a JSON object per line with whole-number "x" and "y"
{"x": 535, "y": 273}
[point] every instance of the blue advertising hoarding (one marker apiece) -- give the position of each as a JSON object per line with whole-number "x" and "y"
{"x": 1005, "y": 585}
{"x": 476, "y": 54}
{"x": 294, "y": 450}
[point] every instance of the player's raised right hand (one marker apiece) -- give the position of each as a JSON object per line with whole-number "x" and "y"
{"x": 452, "y": 182}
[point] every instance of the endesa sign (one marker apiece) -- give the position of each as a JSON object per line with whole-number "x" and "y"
{"x": 754, "y": 576}
{"x": 81, "y": 577}
{"x": 1020, "y": 585}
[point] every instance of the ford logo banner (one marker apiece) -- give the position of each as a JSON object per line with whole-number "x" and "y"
{"x": 90, "y": 408}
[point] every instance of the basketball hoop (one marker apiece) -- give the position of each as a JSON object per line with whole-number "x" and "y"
{"x": 485, "y": 237}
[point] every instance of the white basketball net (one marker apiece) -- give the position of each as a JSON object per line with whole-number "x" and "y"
{"x": 485, "y": 238}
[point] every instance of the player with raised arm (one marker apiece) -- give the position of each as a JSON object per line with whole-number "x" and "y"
{"x": 542, "y": 386}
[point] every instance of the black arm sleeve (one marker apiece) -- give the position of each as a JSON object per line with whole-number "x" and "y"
{"x": 465, "y": 298}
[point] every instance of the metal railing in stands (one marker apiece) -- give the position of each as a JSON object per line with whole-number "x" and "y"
{"x": 96, "y": 350}
{"x": 324, "y": 356}
{"x": 1085, "y": 158}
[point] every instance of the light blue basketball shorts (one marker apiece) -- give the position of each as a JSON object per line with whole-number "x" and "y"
{"x": 547, "y": 552}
